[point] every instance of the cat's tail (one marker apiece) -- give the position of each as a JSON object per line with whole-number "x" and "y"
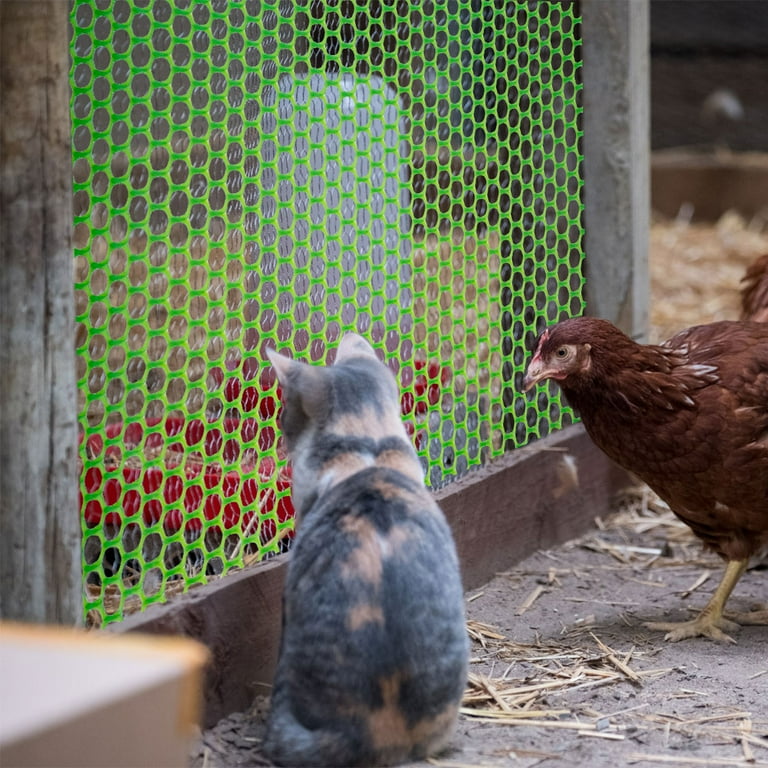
{"x": 289, "y": 743}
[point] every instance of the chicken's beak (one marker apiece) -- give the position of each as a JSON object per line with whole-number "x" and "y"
{"x": 535, "y": 373}
{"x": 531, "y": 379}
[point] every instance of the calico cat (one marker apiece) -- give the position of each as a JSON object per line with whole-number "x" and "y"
{"x": 374, "y": 651}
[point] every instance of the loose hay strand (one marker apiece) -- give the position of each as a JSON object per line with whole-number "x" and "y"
{"x": 636, "y": 757}
{"x": 704, "y": 576}
{"x": 620, "y": 665}
{"x": 530, "y": 600}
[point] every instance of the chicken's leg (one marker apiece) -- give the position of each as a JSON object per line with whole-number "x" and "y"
{"x": 710, "y": 622}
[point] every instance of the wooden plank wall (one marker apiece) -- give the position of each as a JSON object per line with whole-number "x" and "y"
{"x": 712, "y": 184}
{"x": 709, "y": 69}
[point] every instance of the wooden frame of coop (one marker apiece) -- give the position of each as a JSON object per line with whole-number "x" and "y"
{"x": 38, "y": 429}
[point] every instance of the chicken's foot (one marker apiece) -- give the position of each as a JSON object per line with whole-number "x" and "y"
{"x": 758, "y": 615}
{"x": 710, "y": 622}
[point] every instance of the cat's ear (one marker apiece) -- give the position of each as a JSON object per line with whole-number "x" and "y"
{"x": 353, "y": 345}
{"x": 282, "y": 364}
{"x": 302, "y": 383}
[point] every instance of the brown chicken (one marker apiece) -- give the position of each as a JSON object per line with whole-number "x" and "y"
{"x": 689, "y": 417}
{"x": 754, "y": 294}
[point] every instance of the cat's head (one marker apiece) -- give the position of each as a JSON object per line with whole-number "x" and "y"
{"x": 317, "y": 397}
{"x": 330, "y": 414}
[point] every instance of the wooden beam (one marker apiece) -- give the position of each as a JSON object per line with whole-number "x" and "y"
{"x": 532, "y": 498}
{"x": 40, "y": 567}
{"x": 615, "y": 49}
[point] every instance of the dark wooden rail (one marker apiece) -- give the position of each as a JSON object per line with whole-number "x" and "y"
{"x": 533, "y": 498}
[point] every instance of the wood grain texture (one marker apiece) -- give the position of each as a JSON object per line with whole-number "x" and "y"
{"x": 239, "y": 619}
{"x": 40, "y": 569}
{"x": 533, "y": 498}
{"x": 616, "y": 148}
{"x": 529, "y": 499}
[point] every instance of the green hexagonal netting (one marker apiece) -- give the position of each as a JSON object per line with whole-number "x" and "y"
{"x": 252, "y": 174}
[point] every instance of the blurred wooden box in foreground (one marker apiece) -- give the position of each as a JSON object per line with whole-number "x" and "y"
{"x": 72, "y": 698}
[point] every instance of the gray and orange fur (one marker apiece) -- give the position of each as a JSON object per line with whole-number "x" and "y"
{"x": 373, "y": 657}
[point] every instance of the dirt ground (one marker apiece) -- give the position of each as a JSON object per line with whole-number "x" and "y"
{"x": 563, "y": 671}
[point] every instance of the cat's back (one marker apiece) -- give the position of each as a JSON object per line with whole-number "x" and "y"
{"x": 375, "y": 647}
{"x": 378, "y": 534}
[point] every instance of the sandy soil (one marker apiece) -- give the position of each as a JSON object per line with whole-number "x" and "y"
{"x": 559, "y": 640}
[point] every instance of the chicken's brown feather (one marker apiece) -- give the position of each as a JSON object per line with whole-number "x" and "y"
{"x": 689, "y": 417}
{"x": 754, "y": 294}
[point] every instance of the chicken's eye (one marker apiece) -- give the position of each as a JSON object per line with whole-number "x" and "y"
{"x": 561, "y": 353}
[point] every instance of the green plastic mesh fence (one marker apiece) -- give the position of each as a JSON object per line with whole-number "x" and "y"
{"x": 255, "y": 174}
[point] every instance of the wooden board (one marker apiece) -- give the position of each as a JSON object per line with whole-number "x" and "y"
{"x": 711, "y": 183}
{"x": 63, "y": 688}
{"x": 534, "y": 498}
{"x": 528, "y": 500}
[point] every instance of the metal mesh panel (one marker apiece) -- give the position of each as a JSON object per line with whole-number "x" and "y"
{"x": 253, "y": 174}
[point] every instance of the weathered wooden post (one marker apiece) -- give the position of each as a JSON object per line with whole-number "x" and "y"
{"x": 616, "y": 161}
{"x": 40, "y": 570}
